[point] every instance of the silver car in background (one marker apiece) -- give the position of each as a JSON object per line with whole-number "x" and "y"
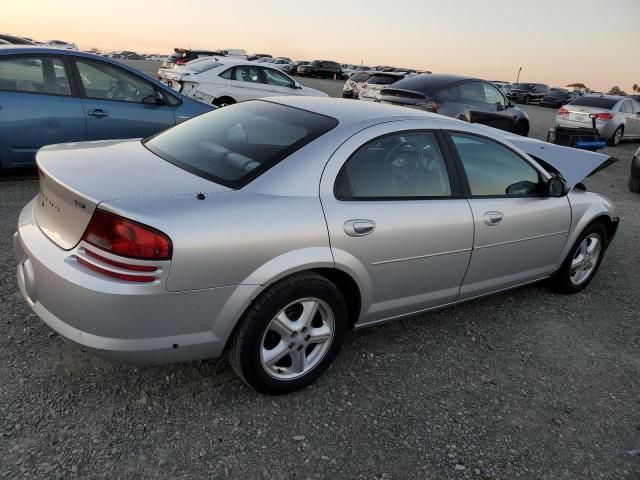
{"x": 617, "y": 118}
{"x": 269, "y": 228}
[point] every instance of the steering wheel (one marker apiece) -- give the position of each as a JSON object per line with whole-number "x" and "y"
{"x": 403, "y": 160}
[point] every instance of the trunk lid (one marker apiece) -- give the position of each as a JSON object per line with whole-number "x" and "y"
{"x": 76, "y": 178}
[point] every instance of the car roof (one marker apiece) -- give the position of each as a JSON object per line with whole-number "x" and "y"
{"x": 428, "y": 82}
{"x": 347, "y": 112}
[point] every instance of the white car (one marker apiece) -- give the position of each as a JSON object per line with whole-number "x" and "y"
{"x": 279, "y": 63}
{"x": 370, "y": 90}
{"x": 223, "y": 81}
{"x": 61, "y": 44}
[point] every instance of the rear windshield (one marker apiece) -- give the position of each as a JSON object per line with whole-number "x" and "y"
{"x": 235, "y": 144}
{"x": 524, "y": 86}
{"x": 596, "y": 102}
{"x": 379, "y": 79}
{"x": 203, "y": 65}
{"x": 360, "y": 76}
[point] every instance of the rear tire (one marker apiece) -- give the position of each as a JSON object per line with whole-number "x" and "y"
{"x": 521, "y": 128}
{"x": 272, "y": 352}
{"x": 616, "y": 137}
{"x": 634, "y": 176}
{"x": 526, "y": 100}
{"x": 223, "y": 101}
{"x": 582, "y": 262}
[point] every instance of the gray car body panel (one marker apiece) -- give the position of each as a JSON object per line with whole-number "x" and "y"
{"x": 230, "y": 246}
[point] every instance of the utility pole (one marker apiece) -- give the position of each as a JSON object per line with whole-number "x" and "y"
{"x": 518, "y": 78}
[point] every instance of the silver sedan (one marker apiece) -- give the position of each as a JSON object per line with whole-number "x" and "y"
{"x": 616, "y": 117}
{"x": 267, "y": 229}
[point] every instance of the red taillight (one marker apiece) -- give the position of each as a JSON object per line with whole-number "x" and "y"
{"x": 563, "y": 111}
{"x": 605, "y": 117}
{"x": 120, "y": 236}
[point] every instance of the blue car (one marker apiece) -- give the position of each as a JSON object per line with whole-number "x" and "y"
{"x": 50, "y": 95}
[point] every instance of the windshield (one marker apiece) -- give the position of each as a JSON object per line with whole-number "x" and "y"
{"x": 235, "y": 144}
{"x": 524, "y": 86}
{"x": 596, "y": 102}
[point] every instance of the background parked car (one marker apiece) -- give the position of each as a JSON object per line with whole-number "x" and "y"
{"x": 353, "y": 84}
{"x": 180, "y": 56}
{"x": 558, "y": 97}
{"x": 296, "y": 64}
{"x": 370, "y": 90}
{"x": 617, "y": 118}
{"x": 61, "y": 44}
{"x": 225, "y": 81}
{"x": 321, "y": 68}
{"x": 280, "y": 63}
{"x": 52, "y": 95}
{"x": 528, "y": 92}
{"x": 465, "y": 98}
{"x": 256, "y": 56}
{"x": 13, "y": 40}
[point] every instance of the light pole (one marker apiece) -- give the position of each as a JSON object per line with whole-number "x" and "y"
{"x": 518, "y": 78}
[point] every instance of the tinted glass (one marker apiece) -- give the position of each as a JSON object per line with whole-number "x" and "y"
{"x": 471, "y": 91}
{"x": 316, "y": 63}
{"x": 399, "y": 165}
{"x": 493, "y": 169}
{"x": 636, "y": 106}
{"x": 227, "y": 74}
{"x": 232, "y": 145}
{"x": 110, "y": 83}
{"x": 596, "y": 102}
{"x": 492, "y": 95}
{"x": 626, "y": 107}
{"x": 34, "y": 75}
{"x": 277, "y": 78}
{"x": 360, "y": 77}
{"x": 203, "y": 66}
{"x": 524, "y": 86}
{"x": 379, "y": 79}
{"x": 248, "y": 73}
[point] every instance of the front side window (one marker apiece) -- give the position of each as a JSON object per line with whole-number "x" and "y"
{"x": 233, "y": 145}
{"x": 105, "y": 82}
{"x": 471, "y": 91}
{"x": 34, "y": 75}
{"x": 493, "y": 169}
{"x": 277, "y": 78}
{"x": 407, "y": 164}
{"x": 492, "y": 95}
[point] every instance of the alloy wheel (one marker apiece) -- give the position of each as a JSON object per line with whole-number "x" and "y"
{"x": 586, "y": 259}
{"x": 297, "y": 338}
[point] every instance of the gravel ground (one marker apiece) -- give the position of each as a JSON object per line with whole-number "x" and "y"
{"x": 526, "y": 384}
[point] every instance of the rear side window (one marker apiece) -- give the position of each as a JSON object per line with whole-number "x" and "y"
{"x": 596, "y": 102}
{"x": 471, "y": 91}
{"x": 34, "y": 75}
{"x": 493, "y": 169}
{"x": 626, "y": 107}
{"x": 235, "y": 144}
{"x": 401, "y": 165}
{"x": 227, "y": 74}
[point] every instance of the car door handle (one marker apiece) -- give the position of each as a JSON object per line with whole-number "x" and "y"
{"x": 493, "y": 218}
{"x": 359, "y": 227}
{"x": 98, "y": 112}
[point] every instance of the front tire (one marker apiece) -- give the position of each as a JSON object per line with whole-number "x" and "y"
{"x": 521, "y": 128}
{"x": 582, "y": 262}
{"x": 289, "y": 335}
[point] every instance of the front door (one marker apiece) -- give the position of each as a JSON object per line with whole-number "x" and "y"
{"x": 118, "y": 104}
{"x": 396, "y": 220}
{"x": 519, "y": 231}
{"x": 37, "y": 107}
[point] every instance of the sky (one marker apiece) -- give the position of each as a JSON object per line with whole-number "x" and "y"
{"x": 596, "y": 42}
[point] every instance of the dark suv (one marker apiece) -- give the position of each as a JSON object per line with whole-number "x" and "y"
{"x": 469, "y": 99}
{"x": 528, "y": 92}
{"x": 321, "y": 68}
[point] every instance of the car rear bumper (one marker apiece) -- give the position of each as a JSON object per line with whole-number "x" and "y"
{"x": 605, "y": 129}
{"x": 115, "y": 319}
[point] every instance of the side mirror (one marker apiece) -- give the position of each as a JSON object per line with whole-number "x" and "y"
{"x": 556, "y": 187}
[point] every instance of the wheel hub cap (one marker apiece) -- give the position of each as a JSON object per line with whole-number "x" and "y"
{"x": 585, "y": 259}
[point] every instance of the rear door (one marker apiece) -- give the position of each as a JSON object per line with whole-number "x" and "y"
{"x": 248, "y": 82}
{"x": 119, "y": 104}
{"x": 37, "y": 107}
{"x": 497, "y": 114}
{"x": 395, "y": 217}
{"x": 472, "y": 97}
{"x": 519, "y": 231}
